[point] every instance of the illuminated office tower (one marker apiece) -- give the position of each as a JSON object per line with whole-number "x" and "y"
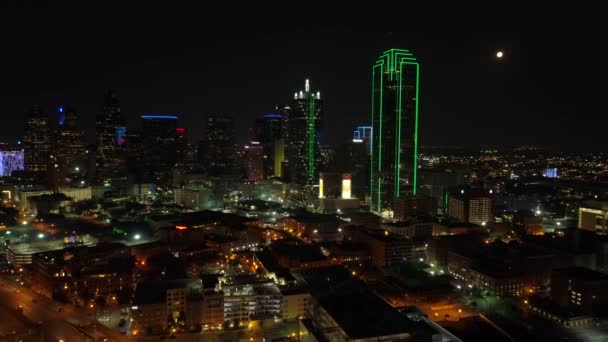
{"x": 109, "y": 125}
{"x": 305, "y": 133}
{"x": 395, "y": 89}
{"x": 69, "y": 143}
{"x": 36, "y": 140}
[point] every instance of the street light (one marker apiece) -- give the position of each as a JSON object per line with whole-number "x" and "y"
{"x": 137, "y": 236}
{"x": 41, "y": 236}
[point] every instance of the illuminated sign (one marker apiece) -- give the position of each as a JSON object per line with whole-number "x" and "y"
{"x": 181, "y": 227}
{"x": 346, "y": 186}
{"x": 320, "y": 187}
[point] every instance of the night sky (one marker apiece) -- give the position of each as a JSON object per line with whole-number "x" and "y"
{"x": 549, "y": 89}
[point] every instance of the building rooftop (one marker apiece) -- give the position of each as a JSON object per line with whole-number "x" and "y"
{"x": 306, "y": 217}
{"x": 582, "y": 273}
{"x": 364, "y": 315}
{"x": 155, "y": 291}
{"x": 296, "y": 250}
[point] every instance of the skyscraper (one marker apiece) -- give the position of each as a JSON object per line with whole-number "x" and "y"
{"x": 69, "y": 143}
{"x": 269, "y": 133}
{"x": 395, "y": 91}
{"x": 218, "y": 149}
{"x": 254, "y": 161}
{"x": 305, "y": 133}
{"x": 36, "y": 140}
{"x": 159, "y": 136}
{"x": 109, "y": 125}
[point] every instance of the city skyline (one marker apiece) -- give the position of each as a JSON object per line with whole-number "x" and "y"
{"x": 168, "y": 70}
{"x": 314, "y": 173}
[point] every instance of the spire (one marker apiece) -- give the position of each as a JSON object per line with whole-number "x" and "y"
{"x": 307, "y": 86}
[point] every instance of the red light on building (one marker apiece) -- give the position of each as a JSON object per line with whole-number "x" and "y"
{"x": 346, "y": 176}
{"x": 180, "y": 130}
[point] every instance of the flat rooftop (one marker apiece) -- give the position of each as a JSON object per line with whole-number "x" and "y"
{"x": 582, "y": 273}
{"x": 46, "y": 246}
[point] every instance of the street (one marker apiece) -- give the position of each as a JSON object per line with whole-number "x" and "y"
{"x": 41, "y": 316}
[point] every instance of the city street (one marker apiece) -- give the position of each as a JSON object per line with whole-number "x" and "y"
{"x": 45, "y": 317}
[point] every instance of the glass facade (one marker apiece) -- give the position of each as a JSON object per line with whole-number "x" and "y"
{"x": 395, "y": 90}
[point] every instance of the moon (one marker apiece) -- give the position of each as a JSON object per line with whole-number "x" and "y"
{"x": 499, "y": 54}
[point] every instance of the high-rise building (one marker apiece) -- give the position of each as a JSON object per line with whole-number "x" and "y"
{"x": 471, "y": 205}
{"x": 268, "y": 132}
{"x": 181, "y": 141}
{"x": 159, "y": 137}
{"x": 395, "y": 91}
{"x": 305, "y": 127}
{"x": 254, "y": 161}
{"x": 363, "y": 135}
{"x": 36, "y": 140}
{"x": 218, "y": 146}
{"x": 435, "y": 183}
{"x": 109, "y": 131}
{"x": 69, "y": 144}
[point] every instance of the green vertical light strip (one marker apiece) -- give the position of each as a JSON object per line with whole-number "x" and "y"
{"x": 379, "y": 206}
{"x": 311, "y": 136}
{"x": 416, "y": 130}
{"x": 398, "y": 140}
{"x": 381, "y": 112}
{"x": 371, "y": 157}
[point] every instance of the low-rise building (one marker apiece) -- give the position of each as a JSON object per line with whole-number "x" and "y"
{"x": 166, "y": 304}
{"x": 387, "y": 248}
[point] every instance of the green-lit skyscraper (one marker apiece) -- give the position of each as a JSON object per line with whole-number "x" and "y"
{"x": 305, "y": 132}
{"x": 394, "y": 160}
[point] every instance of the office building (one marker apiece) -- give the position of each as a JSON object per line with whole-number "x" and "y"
{"x": 387, "y": 248}
{"x": 159, "y": 305}
{"x": 436, "y": 183}
{"x": 335, "y": 192}
{"x": 580, "y": 288}
{"x": 593, "y": 216}
{"x": 217, "y": 150}
{"x": 395, "y": 91}
{"x": 305, "y": 134}
{"x": 363, "y": 135}
{"x": 69, "y": 145}
{"x": 254, "y": 161}
{"x": 182, "y": 153}
{"x": 36, "y": 140}
{"x": 249, "y": 297}
{"x": 471, "y": 205}
{"x": 353, "y": 157}
{"x": 159, "y": 138}
{"x": 268, "y": 131}
{"x": 109, "y": 125}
